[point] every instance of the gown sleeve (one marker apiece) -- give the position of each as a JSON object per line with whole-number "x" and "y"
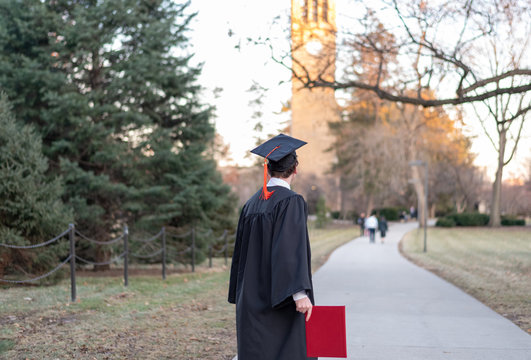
{"x": 290, "y": 253}
{"x": 236, "y": 261}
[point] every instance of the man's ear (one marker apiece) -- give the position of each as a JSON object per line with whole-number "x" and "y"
{"x": 295, "y": 170}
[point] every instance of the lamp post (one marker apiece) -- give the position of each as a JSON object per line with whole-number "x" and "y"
{"x": 419, "y": 201}
{"x": 425, "y": 164}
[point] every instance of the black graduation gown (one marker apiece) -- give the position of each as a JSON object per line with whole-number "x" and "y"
{"x": 271, "y": 262}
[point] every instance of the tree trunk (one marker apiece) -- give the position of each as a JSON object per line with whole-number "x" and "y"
{"x": 102, "y": 254}
{"x": 460, "y": 204}
{"x": 495, "y": 218}
{"x": 370, "y": 204}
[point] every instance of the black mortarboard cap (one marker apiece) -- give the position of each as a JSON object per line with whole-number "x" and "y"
{"x": 280, "y": 150}
{"x": 284, "y": 145}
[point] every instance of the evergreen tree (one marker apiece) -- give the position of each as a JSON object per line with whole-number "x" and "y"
{"x": 110, "y": 88}
{"x": 31, "y": 210}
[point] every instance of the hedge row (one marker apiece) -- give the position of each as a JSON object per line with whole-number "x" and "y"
{"x": 512, "y": 221}
{"x": 350, "y": 215}
{"x": 469, "y": 219}
{"x": 475, "y": 219}
{"x": 390, "y": 213}
{"x": 445, "y": 222}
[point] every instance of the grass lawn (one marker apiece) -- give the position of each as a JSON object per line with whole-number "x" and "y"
{"x": 493, "y": 265}
{"x": 185, "y": 317}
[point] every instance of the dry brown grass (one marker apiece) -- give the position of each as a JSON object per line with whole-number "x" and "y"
{"x": 185, "y": 317}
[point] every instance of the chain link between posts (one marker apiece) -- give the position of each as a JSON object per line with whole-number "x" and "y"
{"x": 39, "y": 277}
{"x": 100, "y": 242}
{"x": 153, "y": 238}
{"x": 101, "y": 263}
{"x": 36, "y": 245}
{"x": 72, "y": 232}
{"x": 179, "y": 236}
{"x": 157, "y": 252}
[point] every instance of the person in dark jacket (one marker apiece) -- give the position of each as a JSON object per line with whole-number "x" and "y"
{"x": 361, "y": 223}
{"x": 271, "y": 278}
{"x": 382, "y": 226}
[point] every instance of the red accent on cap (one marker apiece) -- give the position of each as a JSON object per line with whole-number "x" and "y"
{"x": 266, "y": 194}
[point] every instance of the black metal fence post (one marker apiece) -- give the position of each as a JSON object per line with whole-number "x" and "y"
{"x": 126, "y": 254}
{"x": 71, "y": 237}
{"x": 193, "y": 249}
{"x": 163, "y": 253}
{"x": 210, "y": 256}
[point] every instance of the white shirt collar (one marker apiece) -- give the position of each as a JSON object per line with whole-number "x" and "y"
{"x": 274, "y": 181}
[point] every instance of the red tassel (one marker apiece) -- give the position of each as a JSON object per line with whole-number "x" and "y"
{"x": 266, "y": 194}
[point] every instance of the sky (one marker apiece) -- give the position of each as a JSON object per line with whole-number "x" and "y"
{"x": 218, "y": 37}
{"x": 235, "y": 70}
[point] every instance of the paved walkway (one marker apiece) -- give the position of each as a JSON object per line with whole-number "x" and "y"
{"x": 396, "y": 310}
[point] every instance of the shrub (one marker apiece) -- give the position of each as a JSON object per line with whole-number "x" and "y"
{"x": 346, "y": 215}
{"x": 352, "y": 215}
{"x": 390, "y": 213}
{"x": 335, "y": 215}
{"x": 512, "y": 221}
{"x": 445, "y": 222}
{"x": 469, "y": 219}
{"x": 322, "y": 220}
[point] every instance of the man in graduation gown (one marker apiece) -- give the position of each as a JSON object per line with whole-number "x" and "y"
{"x": 270, "y": 280}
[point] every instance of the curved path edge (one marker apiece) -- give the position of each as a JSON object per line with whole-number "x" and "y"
{"x": 397, "y": 310}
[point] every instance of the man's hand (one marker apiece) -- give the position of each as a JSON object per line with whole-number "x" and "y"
{"x": 304, "y": 306}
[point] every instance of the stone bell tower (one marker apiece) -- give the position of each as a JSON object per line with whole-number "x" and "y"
{"x": 313, "y": 51}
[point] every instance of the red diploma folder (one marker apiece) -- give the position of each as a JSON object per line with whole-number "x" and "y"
{"x": 326, "y": 332}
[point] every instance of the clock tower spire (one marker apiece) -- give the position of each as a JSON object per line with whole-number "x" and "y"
{"x": 313, "y": 52}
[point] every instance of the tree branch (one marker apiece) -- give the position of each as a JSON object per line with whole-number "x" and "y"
{"x": 482, "y": 122}
{"x": 518, "y": 136}
{"x": 386, "y": 95}
{"x": 437, "y": 53}
{"x": 519, "y": 113}
{"x": 484, "y": 82}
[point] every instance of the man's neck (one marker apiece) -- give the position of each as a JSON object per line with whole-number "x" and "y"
{"x": 277, "y": 181}
{"x": 289, "y": 179}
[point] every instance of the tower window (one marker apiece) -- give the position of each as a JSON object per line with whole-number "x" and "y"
{"x": 325, "y": 11}
{"x": 305, "y": 11}
{"x": 315, "y": 9}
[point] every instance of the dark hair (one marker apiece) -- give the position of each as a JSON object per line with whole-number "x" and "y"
{"x": 283, "y": 174}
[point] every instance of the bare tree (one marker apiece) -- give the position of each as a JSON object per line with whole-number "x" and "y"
{"x": 451, "y": 52}
{"x": 505, "y": 50}
{"x": 374, "y": 150}
{"x": 370, "y": 158}
{"x": 434, "y": 47}
{"x": 457, "y": 185}
{"x": 517, "y": 199}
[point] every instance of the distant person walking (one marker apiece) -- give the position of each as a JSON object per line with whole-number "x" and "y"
{"x": 361, "y": 223}
{"x": 371, "y": 223}
{"x": 412, "y": 212}
{"x": 382, "y": 226}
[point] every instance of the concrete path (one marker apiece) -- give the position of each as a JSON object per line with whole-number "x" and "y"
{"x": 396, "y": 310}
